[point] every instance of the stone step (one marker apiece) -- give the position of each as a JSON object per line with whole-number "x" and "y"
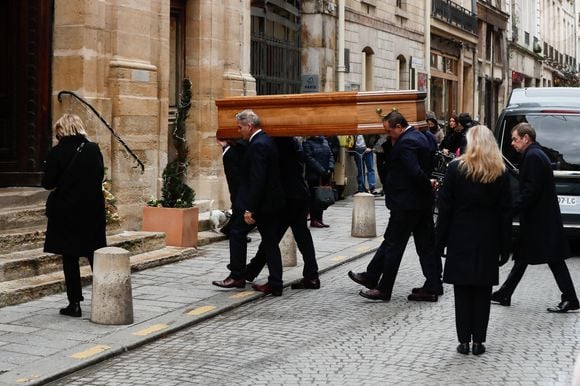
{"x": 14, "y": 217}
{"x": 34, "y": 262}
{"x": 30, "y": 288}
{"x": 17, "y": 197}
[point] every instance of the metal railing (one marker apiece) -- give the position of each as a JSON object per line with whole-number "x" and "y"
{"x": 94, "y": 111}
{"x": 451, "y": 13}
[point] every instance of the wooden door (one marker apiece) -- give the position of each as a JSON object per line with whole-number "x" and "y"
{"x": 25, "y": 58}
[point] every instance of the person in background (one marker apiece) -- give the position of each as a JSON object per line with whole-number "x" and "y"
{"x": 233, "y": 152}
{"x": 319, "y": 167}
{"x": 474, "y": 223}
{"x": 434, "y": 128}
{"x": 365, "y": 161}
{"x": 454, "y": 141}
{"x": 75, "y": 208}
{"x": 542, "y": 239}
{"x": 466, "y": 122}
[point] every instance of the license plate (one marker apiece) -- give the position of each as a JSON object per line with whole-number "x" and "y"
{"x": 569, "y": 204}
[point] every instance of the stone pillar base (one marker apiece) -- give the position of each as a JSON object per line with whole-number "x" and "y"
{"x": 363, "y": 216}
{"x": 288, "y": 249}
{"x": 112, "y": 301}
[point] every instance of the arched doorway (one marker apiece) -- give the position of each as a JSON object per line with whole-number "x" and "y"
{"x": 25, "y": 88}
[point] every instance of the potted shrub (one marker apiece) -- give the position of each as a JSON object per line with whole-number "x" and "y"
{"x": 175, "y": 213}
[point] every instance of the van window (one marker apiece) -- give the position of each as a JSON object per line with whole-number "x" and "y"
{"x": 558, "y": 134}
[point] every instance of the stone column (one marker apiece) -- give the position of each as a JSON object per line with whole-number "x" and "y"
{"x": 288, "y": 249}
{"x": 112, "y": 301}
{"x": 363, "y": 216}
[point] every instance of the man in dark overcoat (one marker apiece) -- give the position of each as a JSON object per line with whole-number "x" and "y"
{"x": 259, "y": 201}
{"x": 75, "y": 208}
{"x": 409, "y": 198}
{"x": 542, "y": 238}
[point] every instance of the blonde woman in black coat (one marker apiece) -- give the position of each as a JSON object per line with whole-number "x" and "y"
{"x": 75, "y": 208}
{"x": 474, "y": 224}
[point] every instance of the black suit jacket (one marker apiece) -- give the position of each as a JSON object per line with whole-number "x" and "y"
{"x": 233, "y": 159}
{"x": 408, "y": 186}
{"x": 260, "y": 189}
{"x": 292, "y": 169}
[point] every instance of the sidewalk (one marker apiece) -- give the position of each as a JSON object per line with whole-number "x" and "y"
{"x": 38, "y": 345}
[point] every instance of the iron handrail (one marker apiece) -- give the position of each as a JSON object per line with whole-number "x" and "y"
{"x": 104, "y": 121}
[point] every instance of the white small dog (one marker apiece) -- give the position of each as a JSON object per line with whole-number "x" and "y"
{"x": 218, "y": 218}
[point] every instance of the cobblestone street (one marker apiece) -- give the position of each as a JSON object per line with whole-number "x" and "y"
{"x": 333, "y": 336}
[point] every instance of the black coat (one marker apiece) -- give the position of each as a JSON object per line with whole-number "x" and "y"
{"x": 542, "y": 237}
{"x": 454, "y": 141}
{"x": 76, "y": 208}
{"x": 408, "y": 186}
{"x": 318, "y": 157}
{"x": 474, "y": 223}
{"x": 292, "y": 169}
{"x": 261, "y": 189}
{"x": 233, "y": 159}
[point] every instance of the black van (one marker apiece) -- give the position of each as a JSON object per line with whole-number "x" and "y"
{"x": 555, "y": 115}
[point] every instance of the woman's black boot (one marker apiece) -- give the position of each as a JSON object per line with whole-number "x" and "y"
{"x": 73, "y": 309}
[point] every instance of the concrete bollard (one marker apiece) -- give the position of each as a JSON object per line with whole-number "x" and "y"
{"x": 112, "y": 301}
{"x": 364, "y": 223}
{"x": 288, "y": 249}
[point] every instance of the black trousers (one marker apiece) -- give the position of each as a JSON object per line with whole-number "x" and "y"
{"x": 295, "y": 219}
{"x": 559, "y": 270}
{"x": 472, "y": 304}
{"x": 238, "y": 231}
{"x": 72, "y": 277}
{"x": 386, "y": 261}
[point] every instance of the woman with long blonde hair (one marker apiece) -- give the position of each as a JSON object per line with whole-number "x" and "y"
{"x": 474, "y": 224}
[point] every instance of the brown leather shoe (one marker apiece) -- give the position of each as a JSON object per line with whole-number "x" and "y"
{"x": 360, "y": 278}
{"x": 230, "y": 282}
{"x": 419, "y": 289}
{"x": 267, "y": 289}
{"x": 316, "y": 224}
{"x": 374, "y": 294}
{"x": 423, "y": 296}
{"x": 307, "y": 284}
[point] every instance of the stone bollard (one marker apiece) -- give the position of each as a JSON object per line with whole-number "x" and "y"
{"x": 112, "y": 301}
{"x": 288, "y": 249}
{"x": 364, "y": 223}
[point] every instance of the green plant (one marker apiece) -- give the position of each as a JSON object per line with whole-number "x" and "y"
{"x": 175, "y": 193}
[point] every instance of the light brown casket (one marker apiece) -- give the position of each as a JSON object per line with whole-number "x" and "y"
{"x": 331, "y": 113}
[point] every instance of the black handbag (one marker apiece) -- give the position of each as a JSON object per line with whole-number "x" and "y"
{"x": 323, "y": 196}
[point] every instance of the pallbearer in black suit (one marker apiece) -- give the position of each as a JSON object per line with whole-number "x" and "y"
{"x": 474, "y": 223}
{"x": 259, "y": 201}
{"x": 542, "y": 239}
{"x": 409, "y": 197}
{"x": 294, "y": 216}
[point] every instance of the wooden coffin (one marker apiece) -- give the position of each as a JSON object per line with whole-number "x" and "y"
{"x": 332, "y": 113}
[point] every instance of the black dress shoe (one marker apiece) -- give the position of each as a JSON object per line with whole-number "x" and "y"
{"x": 325, "y": 225}
{"x": 316, "y": 224}
{"x": 439, "y": 290}
{"x": 463, "y": 348}
{"x": 230, "y": 282}
{"x": 306, "y": 284}
{"x": 565, "y": 306}
{"x": 374, "y": 294}
{"x": 360, "y": 278}
{"x": 502, "y": 300}
{"x": 267, "y": 289}
{"x": 477, "y": 348}
{"x": 423, "y": 296}
{"x": 73, "y": 309}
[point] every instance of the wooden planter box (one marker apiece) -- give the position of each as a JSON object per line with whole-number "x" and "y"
{"x": 180, "y": 225}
